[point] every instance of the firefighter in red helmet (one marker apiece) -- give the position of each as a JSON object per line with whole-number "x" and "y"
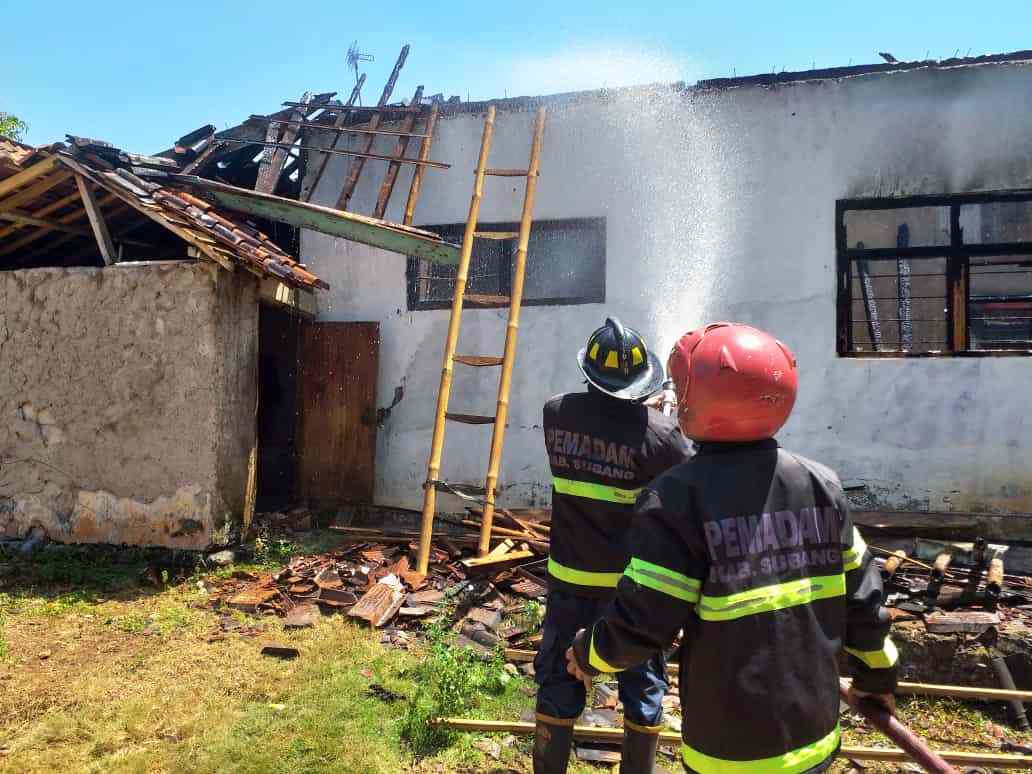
{"x": 750, "y": 550}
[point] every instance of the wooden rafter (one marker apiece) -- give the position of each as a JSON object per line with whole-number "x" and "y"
{"x": 374, "y": 122}
{"x": 33, "y": 191}
{"x": 117, "y": 209}
{"x": 27, "y": 175}
{"x": 275, "y": 155}
{"x": 203, "y": 244}
{"x": 391, "y": 176}
{"x": 97, "y": 222}
{"x": 41, "y": 233}
{"x": 51, "y": 208}
{"x": 342, "y": 117}
{"x": 25, "y": 219}
{"x": 417, "y": 175}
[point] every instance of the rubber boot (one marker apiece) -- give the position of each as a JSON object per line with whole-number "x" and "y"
{"x": 552, "y": 743}
{"x": 639, "y": 749}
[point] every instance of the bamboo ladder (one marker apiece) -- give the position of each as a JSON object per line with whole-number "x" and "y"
{"x": 479, "y": 361}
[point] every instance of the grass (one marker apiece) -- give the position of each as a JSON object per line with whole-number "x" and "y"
{"x": 101, "y": 674}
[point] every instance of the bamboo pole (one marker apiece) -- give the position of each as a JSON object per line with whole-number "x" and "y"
{"x": 462, "y": 271}
{"x": 615, "y": 735}
{"x": 511, "y": 334}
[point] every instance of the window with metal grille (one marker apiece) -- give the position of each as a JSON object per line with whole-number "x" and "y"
{"x": 566, "y": 264}
{"x": 935, "y": 275}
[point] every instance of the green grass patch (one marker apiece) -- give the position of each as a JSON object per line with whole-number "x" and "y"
{"x": 451, "y": 682}
{"x": 5, "y": 648}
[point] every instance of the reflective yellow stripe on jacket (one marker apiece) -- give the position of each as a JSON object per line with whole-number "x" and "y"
{"x": 609, "y": 494}
{"x": 853, "y": 556}
{"x": 664, "y": 580}
{"x": 777, "y": 596}
{"x": 792, "y": 762}
{"x": 566, "y": 574}
{"x": 884, "y": 658}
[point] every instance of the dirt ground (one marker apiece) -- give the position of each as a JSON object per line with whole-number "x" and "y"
{"x": 103, "y": 672}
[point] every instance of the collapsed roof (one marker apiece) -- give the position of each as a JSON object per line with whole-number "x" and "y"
{"x": 233, "y": 197}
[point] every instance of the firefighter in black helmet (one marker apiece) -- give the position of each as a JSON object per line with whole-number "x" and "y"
{"x": 603, "y": 446}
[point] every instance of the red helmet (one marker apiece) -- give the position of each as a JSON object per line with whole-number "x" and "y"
{"x": 734, "y": 383}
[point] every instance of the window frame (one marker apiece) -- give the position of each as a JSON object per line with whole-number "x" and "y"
{"x": 957, "y": 255}
{"x": 416, "y": 266}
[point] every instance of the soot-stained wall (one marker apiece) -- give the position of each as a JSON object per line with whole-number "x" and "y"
{"x": 127, "y": 397}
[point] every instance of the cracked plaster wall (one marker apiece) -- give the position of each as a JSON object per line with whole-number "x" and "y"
{"x": 718, "y": 205}
{"x": 127, "y": 402}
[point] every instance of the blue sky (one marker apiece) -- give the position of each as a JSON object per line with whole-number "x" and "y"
{"x": 139, "y": 74}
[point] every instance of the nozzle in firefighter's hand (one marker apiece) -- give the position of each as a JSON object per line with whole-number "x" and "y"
{"x": 655, "y": 401}
{"x": 665, "y": 400}
{"x": 884, "y": 700}
{"x": 574, "y": 669}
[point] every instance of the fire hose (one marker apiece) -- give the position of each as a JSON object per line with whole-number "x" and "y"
{"x": 890, "y": 725}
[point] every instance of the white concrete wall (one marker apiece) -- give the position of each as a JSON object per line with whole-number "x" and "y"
{"x": 719, "y": 205}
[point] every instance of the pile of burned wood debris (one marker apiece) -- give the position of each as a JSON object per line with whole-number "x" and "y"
{"x": 371, "y": 578}
{"x": 954, "y": 587}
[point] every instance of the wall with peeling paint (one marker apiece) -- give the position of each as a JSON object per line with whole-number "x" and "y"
{"x": 127, "y": 399}
{"x": 719, "y": 205}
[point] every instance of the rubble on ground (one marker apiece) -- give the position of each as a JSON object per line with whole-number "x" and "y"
{"x": 495, "y": 603}
{"x": 372, "y": 579}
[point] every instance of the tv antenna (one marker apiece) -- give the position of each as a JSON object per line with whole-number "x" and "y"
{"x": 355, "y": 56}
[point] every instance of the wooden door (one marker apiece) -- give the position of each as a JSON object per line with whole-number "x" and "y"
{"x": 337, "y": 428}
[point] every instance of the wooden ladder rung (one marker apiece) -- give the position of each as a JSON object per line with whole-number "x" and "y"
{"x": 470, "y": 419}
{"x": 506, "y": 172}
{"x": 487, "y": 301}
{"x": 478, "y": 361}
{"x": 496, "y": 234}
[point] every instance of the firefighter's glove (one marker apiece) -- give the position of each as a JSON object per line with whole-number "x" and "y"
{"x": 581, "y": 671}
{"x": 886, "y": 701}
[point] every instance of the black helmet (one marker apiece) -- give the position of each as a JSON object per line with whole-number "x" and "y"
{"x": 617, "y": 361}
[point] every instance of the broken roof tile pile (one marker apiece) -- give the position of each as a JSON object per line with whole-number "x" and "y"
{"x": 13, "y": 154}
{"x": 372, "y": 579}
{"x": 227, "y": 240}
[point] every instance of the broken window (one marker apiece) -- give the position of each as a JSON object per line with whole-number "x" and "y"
{"x": 566, "y": 264}
{"x": 935, "y": 275}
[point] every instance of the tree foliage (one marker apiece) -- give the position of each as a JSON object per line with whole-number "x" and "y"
{"x": 12, "y": 127}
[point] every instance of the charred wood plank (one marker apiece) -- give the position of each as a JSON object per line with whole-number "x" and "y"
{"x": 400, "y": 148}
{"x": 374, "y": 122}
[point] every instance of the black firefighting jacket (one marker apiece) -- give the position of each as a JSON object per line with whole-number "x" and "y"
{"x": 750, "y": 550}
{"x": 602, "y": 451}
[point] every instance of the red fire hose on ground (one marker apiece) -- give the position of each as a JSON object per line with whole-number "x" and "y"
{"x": 907, "y": 740}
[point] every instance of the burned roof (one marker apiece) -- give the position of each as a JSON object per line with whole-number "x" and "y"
{"x": 567, "y": 99}
{"x": 829, "y": 73}
{"x": 45, "y": 208}
{"x": 13, "y": 153}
